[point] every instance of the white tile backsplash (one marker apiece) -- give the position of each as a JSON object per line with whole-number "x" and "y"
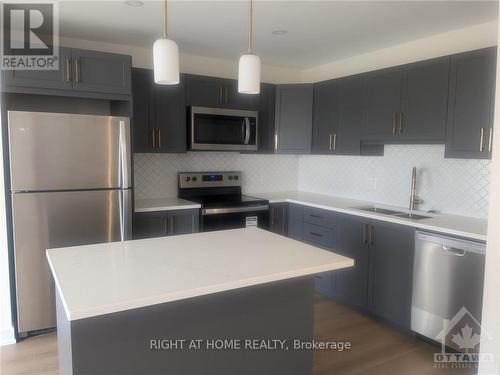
{"x": 156, "y": 174}
{"x": 454, "y": 186}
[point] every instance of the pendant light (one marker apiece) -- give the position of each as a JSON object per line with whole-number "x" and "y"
{"x": 165, "y": 58}
{"x": 249, "y": 66}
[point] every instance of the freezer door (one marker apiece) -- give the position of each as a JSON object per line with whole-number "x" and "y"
{"x": 58, "y": 219}
{"x": 56, "y": 151}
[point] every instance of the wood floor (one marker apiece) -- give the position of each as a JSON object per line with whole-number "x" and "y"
{"x": 376, "y": 348}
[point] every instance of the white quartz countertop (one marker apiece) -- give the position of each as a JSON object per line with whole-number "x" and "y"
{"x": 163, "y": 204}
{"x": 105, "y": 278}
{"x": 462, "y": 226}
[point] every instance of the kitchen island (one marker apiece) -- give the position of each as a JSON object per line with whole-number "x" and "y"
{"x": 227, "y": 302}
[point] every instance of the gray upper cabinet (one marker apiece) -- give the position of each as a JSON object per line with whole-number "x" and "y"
{"x": 382, "y": 102}
{"x": 233, "y": 99}
{"x": 471, "y": 104}
{"x": 101, "y": 72}
{"x": 424, "y": 101}
{"x": 203, "y": 91}
{"x": 347, "y": 140}
{"x": 79, "y": 71}
{"x": 325, "y": 116}
{"x": 52, "y": 79}
{"x": 159, "y": 116}
{"x": 391, "y": 270}
{"x": 294, "y": 112}
{"x": 266, "y": 120}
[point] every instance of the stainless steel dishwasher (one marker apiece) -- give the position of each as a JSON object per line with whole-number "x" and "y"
{"x": 448, "y": 274}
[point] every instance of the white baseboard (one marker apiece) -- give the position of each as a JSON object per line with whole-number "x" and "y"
{"x": 7, "y": 336}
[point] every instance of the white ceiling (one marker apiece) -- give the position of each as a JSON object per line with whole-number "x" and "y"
{"x": 318, "y": 32}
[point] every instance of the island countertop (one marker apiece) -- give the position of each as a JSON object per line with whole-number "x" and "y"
{"x": 106, "y": 278}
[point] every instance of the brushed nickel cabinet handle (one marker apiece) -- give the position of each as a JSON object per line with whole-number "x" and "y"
{"x": 481, "y": 140}
{"x": 275, "y": 141}
{"x": 400, "y": 123}
{"x": 334, "y": 141}
{"x": 68, "y": 70}
{"x": 272, "y": 215}
{"x": 225, "y": 95}
{"x": 220, "y": 93}
{"x": 77, "y": 71}
{"x": 394, "y": 120}
{"x": 490, "y": 140}
{"x": 371, "y": 235}
{"x": 153, "y": 138}
{"x": 172, "y": 224}
{"x": 165, "y": 225}
{"x": 330, "y": 143}
{"x": 365, "y": 237}
{"x": 159, "y": 138}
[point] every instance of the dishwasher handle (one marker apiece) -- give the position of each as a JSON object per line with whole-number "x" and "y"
{"x": 453, "y": 251}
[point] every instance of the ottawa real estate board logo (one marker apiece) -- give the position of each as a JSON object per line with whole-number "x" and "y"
{"x": 30, "y": 36}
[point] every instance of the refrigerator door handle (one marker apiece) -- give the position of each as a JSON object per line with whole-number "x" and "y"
{"x": 124, "y": 155}
{"x": 125, "y": 215}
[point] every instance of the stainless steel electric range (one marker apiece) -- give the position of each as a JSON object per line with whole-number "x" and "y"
{"x": 222, "y": 204}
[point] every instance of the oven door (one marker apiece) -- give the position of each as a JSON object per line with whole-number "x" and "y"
{"x": 234, "y": 217}
{"x": 223, "y": 129}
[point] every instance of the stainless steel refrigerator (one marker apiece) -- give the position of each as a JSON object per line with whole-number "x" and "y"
{"x": 70, "y": 185}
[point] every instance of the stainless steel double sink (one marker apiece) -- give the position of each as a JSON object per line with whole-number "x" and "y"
{"x": 384, "y": 211}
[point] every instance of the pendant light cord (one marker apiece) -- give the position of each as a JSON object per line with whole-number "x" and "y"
{"x": 250, "y": 20}
{"x": 165, "y": 14}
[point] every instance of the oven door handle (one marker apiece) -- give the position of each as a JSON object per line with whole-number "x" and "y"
{"x": 247, "y": 131}
{"x": 230, "y": 210}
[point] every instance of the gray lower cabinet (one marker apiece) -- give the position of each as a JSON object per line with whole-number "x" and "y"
{"x": 165, "y": 223}
{"x": 294, "y": 112}
{"x": 351, "y": 284}
{"x": 471, "y": 105}
{"x": 295, "y": 221}
{"x": 391, "y": 270}
{"x": 278, "y": 218}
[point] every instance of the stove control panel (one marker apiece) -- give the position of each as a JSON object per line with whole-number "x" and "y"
{"x": 208, "y": 179}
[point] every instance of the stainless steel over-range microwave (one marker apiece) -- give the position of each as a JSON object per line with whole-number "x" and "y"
{"x": 219, "y": 129}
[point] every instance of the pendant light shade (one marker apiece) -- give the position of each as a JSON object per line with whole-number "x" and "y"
{"x": 249, "y": 74}
{"x": 249, "y": 66}
{"x": 166, "y": 62}
{"x": 166, "y": 57}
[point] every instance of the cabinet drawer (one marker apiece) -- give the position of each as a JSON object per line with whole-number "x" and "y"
{"x": 319, "y": 236}
{"x": 320, "y": 217}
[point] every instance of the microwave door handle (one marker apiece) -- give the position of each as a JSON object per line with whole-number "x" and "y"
{"x": 247, "y": 130}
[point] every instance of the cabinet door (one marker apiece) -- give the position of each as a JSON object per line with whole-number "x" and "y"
{"x": 143, "y": 111}
{"x": 294, "y": 109}
{"x": 233, "y": 99}
{"x": 295, "y": 221}
{"x": 425, "y": 100}
{"x": 382, "y": 104}
{"x": 266, "y": 121}
{"x": 101, "y": 72}
{"x": 278, "y": 222}
{"x": 183, "y": 222}
{"x": 471, "y": 102}
{"x": 347, "y": 139}
{"x": 50, "y": 79}
{"x": 149, "y": 224}
{"x": 391, "y": 270}
{"x": 170, "y": 117}
{"x": 325, "y": 116}
{"x": 204, "y": 91}
{"x": 351, "y": 284}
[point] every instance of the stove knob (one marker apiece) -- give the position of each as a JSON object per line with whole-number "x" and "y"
{"x": 230, "y": 177}
{"x": 187, "y": 178}
{"x": 194, "y": 178}
{"x": 236, "y": 177}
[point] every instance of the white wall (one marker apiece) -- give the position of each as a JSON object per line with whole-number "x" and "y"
{"x": 143, "y": 58}
{"x": 456, "y": 41}
{"x": 491, "y": 299}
